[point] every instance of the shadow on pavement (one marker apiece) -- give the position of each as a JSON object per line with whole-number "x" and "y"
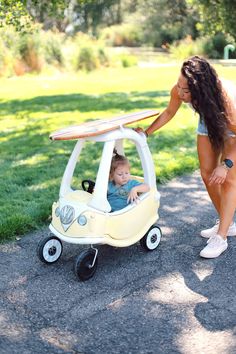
{"x": 166, "y": 301}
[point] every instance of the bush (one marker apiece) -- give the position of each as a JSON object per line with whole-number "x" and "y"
{"x": 103, "y": 57}
{"x": 90, "y": 53}
{"x": 214, "y": 46}
{"x": 128, "y": 60}
{"x": 122, "y": 35}
{"x": 163, "y": 35}
{"x": 29, "y": 52}
{"x": 53, "y": 48}
{"x": 211, "y": 47}
{"x": 8, "y": 51}
{"x": 3, "y": 58}
{"x": 87, "y": 59}
{"x": 186, "y": 48}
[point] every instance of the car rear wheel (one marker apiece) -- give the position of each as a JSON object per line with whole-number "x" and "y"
{"x": 151, "y": 239}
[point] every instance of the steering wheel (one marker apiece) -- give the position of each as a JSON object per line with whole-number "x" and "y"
{"x": 88, "y": 185}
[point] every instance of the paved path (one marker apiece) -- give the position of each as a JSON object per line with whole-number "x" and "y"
{"x": 167, "y": 301}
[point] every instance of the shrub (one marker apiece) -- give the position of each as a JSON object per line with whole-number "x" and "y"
{"x": 8, "y": 40}
{"x": 103, "y": 57}
{"x": 53, "y": 48}
{"x": 91, "y": 53}
{"x": 128, "y": 60}
{"x": 29, "y": 51}
{"x": 186, "y": 48}
{"x": 9, "y": 37}
{"x": 3, "y": 58}
{"x": 87, "y": 59}
{"x": 122, "y": 35}
{"x": 211, "y": 47}
{"x": 214, "y": 46}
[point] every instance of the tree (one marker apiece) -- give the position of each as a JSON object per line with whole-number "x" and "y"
{"x": 22, "y": 13}
{"x": 218, "y": 16}
{"x": 83, "y": 15}
{"x": 167, "y": 20}
{"x": 48, "y": 13}
{"x": 14, "y": 12}
{"x": 90, "y": 14}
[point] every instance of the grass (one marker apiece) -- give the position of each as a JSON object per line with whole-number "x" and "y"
{"x": 31, "y": 107}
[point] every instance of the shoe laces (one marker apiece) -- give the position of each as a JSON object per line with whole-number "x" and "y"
{"x": 211, "y": 238}
{"x": 215, "y": 240}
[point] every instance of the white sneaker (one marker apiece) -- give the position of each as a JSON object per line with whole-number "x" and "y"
{"x": 213, "y": 231}
{"x": 215, "y": 246}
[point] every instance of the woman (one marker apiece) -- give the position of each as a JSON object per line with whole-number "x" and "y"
{"x": 199, "y": 86}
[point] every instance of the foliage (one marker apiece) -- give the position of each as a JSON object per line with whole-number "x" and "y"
{"x": 217, "y": 16}
{"x": 14, "y": 13}
{"x": 52, "y": 44}
{"x": 126, "y": 22}
{"x": 167, "y": 21}
{"x": 29, "y": 49}
{"x": 90, "y": 53}
{"x": 127, "y": 34}
{"x": 128, "y": 60}
{"x": 214, "y": 45}
{"x": 90, "y": 14}
{"x": 208, "y": 46}
{"x": 49, "y": 13}
{"x": 87, "y": 59}
{"x": 187, "y": 47}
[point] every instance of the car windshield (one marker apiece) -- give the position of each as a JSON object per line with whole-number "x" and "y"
{"x": 88, "y": 163}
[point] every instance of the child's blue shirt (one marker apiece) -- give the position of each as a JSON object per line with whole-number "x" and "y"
{"x": 117, "y": 196}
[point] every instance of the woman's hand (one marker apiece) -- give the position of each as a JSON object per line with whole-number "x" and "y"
{"x": 139, "y": 130}
{"x": 218, "y": 176}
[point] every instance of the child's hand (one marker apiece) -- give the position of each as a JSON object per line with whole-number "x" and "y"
{"x": 133, "y": 196}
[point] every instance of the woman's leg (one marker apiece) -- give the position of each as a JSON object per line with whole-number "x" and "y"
{"x": 225, "y": 204}
{"x": 228, "y": 191}
{"x": 208, "y": 160}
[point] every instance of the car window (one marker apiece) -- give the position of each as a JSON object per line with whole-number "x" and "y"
{"x": 87, "y": 166}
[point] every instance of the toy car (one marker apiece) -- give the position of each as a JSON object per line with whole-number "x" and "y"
{"x": 83, "y": 216}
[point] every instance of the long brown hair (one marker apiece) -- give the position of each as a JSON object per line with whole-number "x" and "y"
{"x": 207, "y": 97}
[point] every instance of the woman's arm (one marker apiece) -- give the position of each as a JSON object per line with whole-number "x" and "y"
{"x": 167, "y": 114}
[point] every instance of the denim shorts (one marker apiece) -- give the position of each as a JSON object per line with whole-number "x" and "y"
{"x": 202, "y": 129}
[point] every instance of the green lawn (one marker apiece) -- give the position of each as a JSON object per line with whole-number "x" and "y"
{"x": 34, "y": 106}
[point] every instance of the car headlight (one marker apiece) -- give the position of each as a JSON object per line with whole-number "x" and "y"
{"x": 82, "y": 220}
{"x": 57, "y": 212}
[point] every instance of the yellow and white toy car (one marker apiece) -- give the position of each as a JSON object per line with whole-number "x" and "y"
{"x": 82, "y": 217}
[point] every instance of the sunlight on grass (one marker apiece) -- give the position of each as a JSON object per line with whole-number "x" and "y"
{"x": 34, "y": 106}
{"x": 33, "y": 160}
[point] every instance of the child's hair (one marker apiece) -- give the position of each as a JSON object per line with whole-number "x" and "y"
{"x": 117, "y": 160}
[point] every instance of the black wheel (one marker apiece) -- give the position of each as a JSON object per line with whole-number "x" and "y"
{"x": 83, "y": 264}
{"x": 88, "y": 185}
{"x": 151, "y": 239}
{"x": 49, "y": 249}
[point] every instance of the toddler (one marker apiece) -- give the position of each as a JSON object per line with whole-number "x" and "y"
{"x": 122, "y": 190}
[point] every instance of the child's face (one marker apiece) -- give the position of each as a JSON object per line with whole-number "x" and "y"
{"x": 121, "y": 175}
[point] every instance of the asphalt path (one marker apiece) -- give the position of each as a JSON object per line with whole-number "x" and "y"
{"x": 166, "y": 301}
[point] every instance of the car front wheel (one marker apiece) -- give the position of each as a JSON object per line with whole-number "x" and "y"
{"x": 49, "y": 249}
